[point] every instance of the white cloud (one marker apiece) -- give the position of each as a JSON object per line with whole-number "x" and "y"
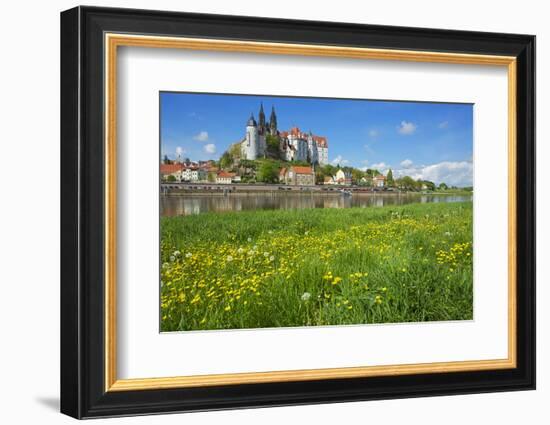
{"x": 407, "y": 163}
{"x": 443, "y": 124}
{"x": 379, "y": 166}
{"x": 339, "y": 160}
{"x": 373, "y": 133}
{"x": 406, "y": 128}
{"x": 180, "y": 151}
{"x": 210, "y": 148}
{"x": 202, "y": 136}
{"x": 458, "y": 173}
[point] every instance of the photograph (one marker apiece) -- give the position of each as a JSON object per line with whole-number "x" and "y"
{"x": 280, "y": 212}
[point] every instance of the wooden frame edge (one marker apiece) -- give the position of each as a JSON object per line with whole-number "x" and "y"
{"x": 114, "y": 40}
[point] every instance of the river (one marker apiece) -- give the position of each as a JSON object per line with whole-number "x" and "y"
{"x": 197, "y": 204}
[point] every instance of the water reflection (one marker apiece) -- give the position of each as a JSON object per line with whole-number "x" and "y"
{"x": 196, "y": 204}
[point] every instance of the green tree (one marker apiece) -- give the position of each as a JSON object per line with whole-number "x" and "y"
{"x": 171, "y": 178}
{"x": 356, "y": 175}
{"x": 166, "y": 160}
{"x": 406, "y": 183}
{"x": 268, "y": 172}
{"x": 442, "y": 186}
{"x": 272, "y": 143}
{"x": 389, "y": 179}
{"x": 429, "y": 185}
{"x": 226, "y": 160}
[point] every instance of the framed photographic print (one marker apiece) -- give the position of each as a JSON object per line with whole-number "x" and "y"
{"x": 261, "y": 212}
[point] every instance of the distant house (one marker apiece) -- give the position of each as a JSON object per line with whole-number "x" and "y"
{"x": 342, "y": 178}
{"x": 224, "y": 177}
{"x": 297, "y": 176}
{"x": 329, "y": 180}
{"x": 194, "y": 174}
{"x": 175, "y": 170}
{"x": 379, "y": 180}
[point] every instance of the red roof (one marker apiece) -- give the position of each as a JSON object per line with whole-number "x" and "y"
{"x": 170, "y": 168}
{"x": 225, "y": 174}
{"x": 302, "y": 170}
{"x": 321, "y": 141}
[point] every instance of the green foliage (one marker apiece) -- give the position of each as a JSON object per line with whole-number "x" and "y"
{"x": 442, "y": 186}
{"x": 268, "y": 172}
{"x": 171, "y": 178}
{"x": 389, "y": 179}
{"x": 166, "y": 160}
{"x": 253, "y": 269}
{"x": 407, "y": 183}
{"x": 429, "y": 185}
{"x": 356, "y": 175}
{"x": 248, "y": 164}
{"x": 272, "y": 143}
{"x": 226, "y": 160}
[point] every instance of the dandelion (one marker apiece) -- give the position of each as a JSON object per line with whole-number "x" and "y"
{"x": 240, "y": 250}
{"x": 270, "y": 231}
{"x": 177, "y": 253}
{"x": 336, "y": 280}
{"x": 172, "y": 258}
{"x": 272, "y": 258}
{"x": 249, "y": 239}
{"x": 229, "y": 258}
{"x": 306, "y": 296}
{"x": 188, "y": 255}
{"x": 266, "y": 254}
{"x": 227, "y": 308}
{"x": 165, "y": 265}
{"x": 250, "y": 252}
{"x": 447, "y": 233}
{"x": 306, "y": 233}
{"x": 255, "y": 247}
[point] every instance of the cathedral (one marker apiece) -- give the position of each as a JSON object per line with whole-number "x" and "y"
{"x": 253, "y": 145}
{"x": 294, "y": 145}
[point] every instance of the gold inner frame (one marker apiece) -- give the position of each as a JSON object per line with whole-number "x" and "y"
{"x": 113, "y": 41}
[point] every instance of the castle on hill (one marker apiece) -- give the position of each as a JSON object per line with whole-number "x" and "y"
{"x": 294, "y": 145}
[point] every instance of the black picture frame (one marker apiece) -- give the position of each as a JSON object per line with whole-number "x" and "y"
{"x": 82, "y": 212}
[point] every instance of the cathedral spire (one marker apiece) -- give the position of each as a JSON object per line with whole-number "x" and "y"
{"x": 273, "y": 121}
{"x": 261, "y": 117}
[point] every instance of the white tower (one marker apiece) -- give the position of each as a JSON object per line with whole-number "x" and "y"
{"x": 250, "y": 146}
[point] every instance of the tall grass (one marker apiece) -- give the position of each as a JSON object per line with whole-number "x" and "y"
{"x": 279, "y": 268}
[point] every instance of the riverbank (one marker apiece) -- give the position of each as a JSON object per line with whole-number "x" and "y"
{"x": 181, "y": 189}
{"x": 280, "y": 268}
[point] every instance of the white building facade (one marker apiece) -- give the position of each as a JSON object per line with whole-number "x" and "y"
{"x": 296, "y": 145}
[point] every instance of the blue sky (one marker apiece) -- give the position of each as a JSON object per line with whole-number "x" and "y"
{"x": 424, "y": 140}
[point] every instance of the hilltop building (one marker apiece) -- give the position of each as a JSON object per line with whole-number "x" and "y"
{"x": 294, "y": 145}
{"x": 253, "y": 146}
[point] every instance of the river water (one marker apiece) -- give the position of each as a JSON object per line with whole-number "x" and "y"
{"x": 198, "y": 204}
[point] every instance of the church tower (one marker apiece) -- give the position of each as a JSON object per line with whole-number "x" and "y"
{"x": 250, "y": 145}
{"x": 261, "y": 119}
{"x": 273, "y": 122}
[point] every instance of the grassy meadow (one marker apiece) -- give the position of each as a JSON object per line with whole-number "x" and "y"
{"x": 283, "y": 268}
